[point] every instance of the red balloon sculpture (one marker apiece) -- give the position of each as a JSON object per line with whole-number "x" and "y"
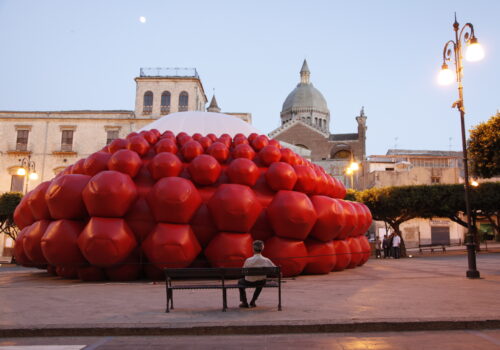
{"x": 153, "y": 200}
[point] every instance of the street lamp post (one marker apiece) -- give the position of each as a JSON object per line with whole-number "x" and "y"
{"x": 453, "y": 48}
{"x": 28, "y": 170}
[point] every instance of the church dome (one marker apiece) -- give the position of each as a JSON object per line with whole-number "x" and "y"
{"x": 305, "y": 96}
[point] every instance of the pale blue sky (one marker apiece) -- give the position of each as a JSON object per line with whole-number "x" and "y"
{"x": 384, "y": 55}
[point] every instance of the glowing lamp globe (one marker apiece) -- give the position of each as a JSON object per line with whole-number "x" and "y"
{"x": 446, "y": 76}
{"x": 475, "y": 51}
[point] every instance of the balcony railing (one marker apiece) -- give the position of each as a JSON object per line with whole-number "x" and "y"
{"x": 147, "y": 109}
{"x": 164, "y": 110}
{"x": 183, "y": 108}
{"x": 169, "y": 72}
{"x": 22, "y": 147}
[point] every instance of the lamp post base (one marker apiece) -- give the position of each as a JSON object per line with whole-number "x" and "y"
{"x": 472, "y": 272}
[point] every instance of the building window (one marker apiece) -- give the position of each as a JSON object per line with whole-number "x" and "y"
{"x": 165, "y": 102}
{"x": 17, "y": 183}
{"x": 22, "y": 140}
{"x": 183, "y": 101}
{"x": 435, "y": 179}
{"x": 111, "y": 135}
{"x": 148, "y": 102}
{"x": 67, "y": 141}
{"x": 343, "y": 154}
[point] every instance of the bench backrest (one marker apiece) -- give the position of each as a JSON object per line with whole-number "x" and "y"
{"x": 222, "y": 272}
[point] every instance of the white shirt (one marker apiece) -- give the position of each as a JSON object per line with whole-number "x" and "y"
{"x": 257, "y": 261}
{"x": 396, "y": 241}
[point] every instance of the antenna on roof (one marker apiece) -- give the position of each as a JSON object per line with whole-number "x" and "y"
{"x": 450, "y": 145}
{"x": 396, "y": 142}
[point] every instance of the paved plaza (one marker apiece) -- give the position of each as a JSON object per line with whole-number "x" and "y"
{"x": 421, "y": 293}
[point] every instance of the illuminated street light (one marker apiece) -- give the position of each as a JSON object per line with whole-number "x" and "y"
{"x": 474, "y": 183}
{"x": 350, "y": 171}
{"x": 27, "y": 169}
{"x": 453, "y": 49}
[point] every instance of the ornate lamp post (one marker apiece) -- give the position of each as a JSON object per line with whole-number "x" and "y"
{"x": 27, "y": 169}
{"x": 453, "y": 48}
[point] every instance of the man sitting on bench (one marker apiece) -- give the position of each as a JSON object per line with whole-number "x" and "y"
{"x": 257, "y": 260}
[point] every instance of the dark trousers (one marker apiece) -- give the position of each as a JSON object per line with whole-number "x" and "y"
{"x": 386, "y": 252}
{"x": 397, "y": 252}
{"x": 258, "y": 288}
{"x": 378, "y": 253}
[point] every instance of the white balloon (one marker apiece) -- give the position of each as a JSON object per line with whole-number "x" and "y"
{"x": 142, "y": 19}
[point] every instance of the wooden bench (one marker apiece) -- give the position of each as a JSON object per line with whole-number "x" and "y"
{"x": 431, "y": 247}
{"x": 217, "y": 278}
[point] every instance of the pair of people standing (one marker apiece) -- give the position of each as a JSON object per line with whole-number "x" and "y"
{"x": 392, "y": 246}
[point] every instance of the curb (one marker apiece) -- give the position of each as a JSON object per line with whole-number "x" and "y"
{"x": 250, "y": 329}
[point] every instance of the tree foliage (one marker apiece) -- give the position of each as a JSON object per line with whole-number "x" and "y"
{"x": 8, "y": 203}
{"x": 484, "y": 148}
{"x": 395, "y": 205}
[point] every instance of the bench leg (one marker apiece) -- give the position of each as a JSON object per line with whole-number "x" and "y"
{"x": 279, "y": 298}
{"x": 224, "y": 299}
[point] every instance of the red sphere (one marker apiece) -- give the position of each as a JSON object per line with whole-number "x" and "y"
{"x": 191, "y": 150}
{"x": 281, "y": 176}
{"x": 356, "y": 252}
{"x": 106, "y": 242}
{"x": 260, "y": 142}
{"x": 109, "y": 194}
{"x": 219, "y": 151}
{"x": 234, "y": 208}
{"x": 243, "y": 151}
{"x": 165, "y": 165}
{"x": 37, "y": 203}
{"x": 292, "y": 215}
{"x": 243, "y": 171}
{"x": 64, "y": 197}
{"x": 229, "y": 249}
{"x": 96, "y": 163}
{"x": 117, "y": 144}
{"x": 125, "y": 161}
{"x": 174, "y": 200}
{"x": 291, "y": 255}
{"x": 166, "y": 145}
{"x": 19, "y": 253}
{"x": 171, "y": 245}
{"x": 204, "y": 170}
{"x": 22, "y": 214}
{"x": 343, "y": 255}
{"x": 306, "y": 179}
{"x": 32, "y": 242}
{"x": 138, "y": 144}
{"x": 331, "y": 218}
{"x": 59, "y": 243}
{"x": 366, "y": 250}
{"x": 269, "y": 154}
{"x": 322, "y": 257}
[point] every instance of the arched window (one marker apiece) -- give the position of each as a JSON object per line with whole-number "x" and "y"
{"x": 183, "y": 101}
{"x": 343, "y": 154}
{"x": 165, "y": 102}
{"x": 148, "y": 102}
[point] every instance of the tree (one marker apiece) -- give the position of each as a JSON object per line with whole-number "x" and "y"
{"x": 395, "y": 205}
{"x": 484, "y": 148}
{"x": 8, "y": 203}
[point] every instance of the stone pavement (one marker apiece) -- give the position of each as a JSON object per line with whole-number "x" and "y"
{"x": 423, "y": 293}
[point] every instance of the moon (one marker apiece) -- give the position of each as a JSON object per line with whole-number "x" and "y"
{"x": 142, "y": 19}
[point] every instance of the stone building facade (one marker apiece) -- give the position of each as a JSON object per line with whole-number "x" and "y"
{"x": 53, "y": 140}
{"x": 417, "y": 167}
{"x": 305, "y": 122}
